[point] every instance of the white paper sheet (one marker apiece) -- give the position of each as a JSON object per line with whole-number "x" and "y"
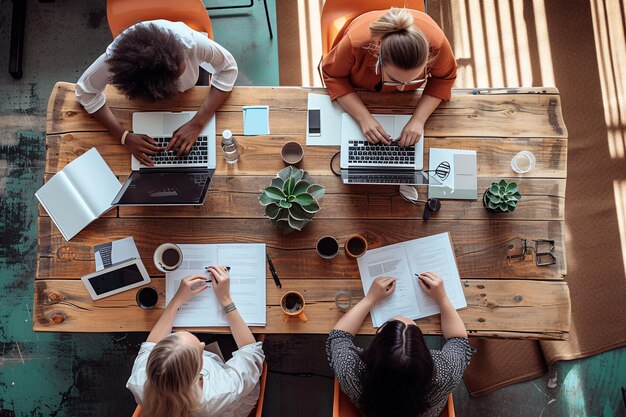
{"x": 402, "y": 261}
{"x": 247, "y": 285}
{"x": 110, "y": 253}
{"x": 330, "y": 121}
{"x": 458, "y": 184}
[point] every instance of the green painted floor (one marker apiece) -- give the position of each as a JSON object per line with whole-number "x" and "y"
{"x": 44, "y": 374}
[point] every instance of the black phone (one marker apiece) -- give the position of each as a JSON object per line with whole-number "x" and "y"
{"x": 315, "y": 128}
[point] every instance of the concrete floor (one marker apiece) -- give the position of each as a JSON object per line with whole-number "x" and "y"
{"x": 44, "y": 374}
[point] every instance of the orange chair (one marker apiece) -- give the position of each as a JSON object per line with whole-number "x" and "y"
{"x": 337, "y": 15}
{"x": 122, "y": 14}
{"x": 342, "y": 406}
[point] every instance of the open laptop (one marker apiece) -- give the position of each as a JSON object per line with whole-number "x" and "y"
{"x": 364, "y": 163}
{"x": 172, "y": 180}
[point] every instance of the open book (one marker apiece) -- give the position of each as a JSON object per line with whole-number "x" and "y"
{"x": 402, "y": 261}
{"x": 80, "y": 193}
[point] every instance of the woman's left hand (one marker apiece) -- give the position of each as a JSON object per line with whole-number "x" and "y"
{"x": 190, "y": 286}
{"x": 411, "y": 133}
{"x": 184, "y": 137}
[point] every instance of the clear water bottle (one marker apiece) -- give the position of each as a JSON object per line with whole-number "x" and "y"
{"x": 229, "y": 147}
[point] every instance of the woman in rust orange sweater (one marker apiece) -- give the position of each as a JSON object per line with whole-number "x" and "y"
{"x": 398, "y": 49}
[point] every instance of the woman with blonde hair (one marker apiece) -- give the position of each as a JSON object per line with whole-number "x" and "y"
{"x": 173, "y": 376}
{"x": 388, "y": 50}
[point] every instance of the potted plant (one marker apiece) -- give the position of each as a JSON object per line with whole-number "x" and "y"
{"x": 501, "y": 197}
{"x": 291, "y": 200}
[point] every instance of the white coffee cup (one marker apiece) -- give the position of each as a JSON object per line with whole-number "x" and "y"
{"x": 168, "y": 257}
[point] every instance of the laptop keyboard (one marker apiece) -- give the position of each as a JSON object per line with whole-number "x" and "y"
{"x": 199, "y": 153}
{"x": 380, "y": 179}
{"x": 361, "y": 152}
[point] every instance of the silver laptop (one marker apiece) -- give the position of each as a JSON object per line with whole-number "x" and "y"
{"x": 364, "y": 163}
{"x": 172, "y": 180}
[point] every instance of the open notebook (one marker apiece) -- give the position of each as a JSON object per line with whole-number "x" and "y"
{"x": 80, "y": 193}
{"x": 402, "y": 261}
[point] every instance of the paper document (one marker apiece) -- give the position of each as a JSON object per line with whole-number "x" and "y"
{"x": 247, "y": 284}
{"x": 456, "y": 170}
{"x": 110, "y": 253}
{"x": 256, "y": 120}
{"x": 402, "y": 261}
{"x": 330, "y": 121}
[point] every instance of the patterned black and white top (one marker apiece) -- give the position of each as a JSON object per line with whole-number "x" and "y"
{"x": 349, "y": 368}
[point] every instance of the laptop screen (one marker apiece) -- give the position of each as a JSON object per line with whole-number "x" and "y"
{"x": 164, "y": 187}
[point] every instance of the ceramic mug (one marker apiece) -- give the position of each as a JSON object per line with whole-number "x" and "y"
{"x": 293, "y": 304}
{"x": 292, "y": 153}
{"x": 355, "y": 246}
{"x": 168, "y": 257}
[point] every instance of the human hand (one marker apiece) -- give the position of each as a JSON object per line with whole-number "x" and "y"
{"x": 141, "y": 146}
{"x": 374, "y": 132}
{"x": 184, "y": 137}
{"x": 190, "y": 286}
{"x": 221, "y": 284}
{"x": 381, "y": 288}
{"x": 432, "y": 284}
{"x": 411, "y": 133}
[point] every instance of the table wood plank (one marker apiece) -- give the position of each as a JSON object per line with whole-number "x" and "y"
{"x": 261, "y": 155}
{"x": 481, "y": 247}
{"x": 521, "y": 115}
{"x": 505, "y": 308}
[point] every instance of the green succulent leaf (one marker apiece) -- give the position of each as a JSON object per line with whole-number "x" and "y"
{"x": 275, "y": 193}
{"x": 272, "y": 211}
{"x": 301, "y": 187}
{"x": 297, "y": 175}
{"x": 493, "y": 189}
{"x": 312, "y": 208}
{"x": 494, "y": 198}
{"x": 316, "y": 191}
{"x": 285, "y": 173}
{"x": 517, "y": 196}
{"x": 288, "y": 186}
{"x": 265, "y": 199}
{"x": 511, "y": 203}
{"x": 503, "y": 206}
{"x": 308, "y": 178}
{"x": 284, "y": 203}
{"x": 502, "y": 183}
{"x": 297, "y": 212}
{"x": 291, "y": 198}
{"x": 491, "y": 205}
{"x": 511, "y": 188}
{"x": 277, "y": 182}
{"x": 501, "y": 191}
{"x": 304, "y": 199}
{"x": 297, "y": 224}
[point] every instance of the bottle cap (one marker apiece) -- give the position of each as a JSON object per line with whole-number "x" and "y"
{"x": 227, "y": 134}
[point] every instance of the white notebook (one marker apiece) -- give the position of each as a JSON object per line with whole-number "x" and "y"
{"x": 402, "y": 261}
{"x": 80, "y": 193}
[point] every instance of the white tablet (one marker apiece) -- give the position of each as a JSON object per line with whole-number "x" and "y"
{"x": 117, "y": 278}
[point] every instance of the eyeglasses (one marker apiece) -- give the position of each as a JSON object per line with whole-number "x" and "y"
{"x": 203, "y": 373}
{"x": 379, "y": 64}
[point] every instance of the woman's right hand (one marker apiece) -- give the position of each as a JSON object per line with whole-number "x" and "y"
{"x": 190, "y": 286}
{"x": 374, "y": 132}
{"x": 432, "y": 284}
{"x": 381, "y": 288}
{"x": 141, "y": 146}
{"x": 221, "y": 284}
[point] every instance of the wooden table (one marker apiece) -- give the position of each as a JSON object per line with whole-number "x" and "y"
{"x": 506, "y": 298}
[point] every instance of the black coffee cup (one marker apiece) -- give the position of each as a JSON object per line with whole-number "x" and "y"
{"x": 147, "y": 297}
{"x": 327, "y": 247}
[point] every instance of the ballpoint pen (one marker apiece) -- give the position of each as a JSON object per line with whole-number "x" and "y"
{"x": 207, "y": 268}
{"x": 273, "y": 271}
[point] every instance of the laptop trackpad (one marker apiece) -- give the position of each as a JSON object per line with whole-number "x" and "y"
{"x": 172, "y": 121}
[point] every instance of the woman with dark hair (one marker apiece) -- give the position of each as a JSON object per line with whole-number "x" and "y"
{"x": 152, "y": 61}
{"x": 389, "y": 50}
{"x": 397, "y": 375}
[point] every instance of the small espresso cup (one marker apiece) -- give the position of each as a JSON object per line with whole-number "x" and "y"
{"x": 292, "y": 153}
{"x": 327, "y": 247}
{"x": 168, "y": 257}
{"x": 355, "y": 246}
{"x": 293, "y": 304}
{"x": 147, "y": 297}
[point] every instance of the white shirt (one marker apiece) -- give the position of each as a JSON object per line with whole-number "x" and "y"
{"x": 198, "y": 49}
{"x": 231, "y": 389}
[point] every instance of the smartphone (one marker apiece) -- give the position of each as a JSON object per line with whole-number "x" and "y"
{"x": 315, "y": 128}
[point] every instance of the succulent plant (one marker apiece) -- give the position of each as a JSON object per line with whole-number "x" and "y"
{"x": 501, "y": 197}
{"x": 291, "y": 200}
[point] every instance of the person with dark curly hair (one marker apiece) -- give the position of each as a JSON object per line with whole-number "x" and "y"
{"x": 397, "y": 375}
{"x": 153, "y": 61}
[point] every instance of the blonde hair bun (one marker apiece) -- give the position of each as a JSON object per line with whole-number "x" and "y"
{"x": 394, "y": 21}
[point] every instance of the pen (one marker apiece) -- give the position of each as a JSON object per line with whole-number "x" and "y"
{"x": 207, "y": 268}
{"x": 273, "y": 271}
